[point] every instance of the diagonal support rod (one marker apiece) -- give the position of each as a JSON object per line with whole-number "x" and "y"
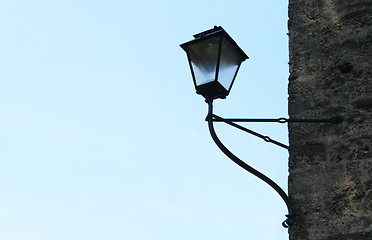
{"x": 216, "y": 118}
{"x": 231, "y": 122}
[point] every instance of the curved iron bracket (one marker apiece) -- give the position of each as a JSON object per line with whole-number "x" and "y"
{"x": 290, "y": 219}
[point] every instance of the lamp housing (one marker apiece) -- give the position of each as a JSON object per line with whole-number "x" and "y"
{"x": 214, "y": 60}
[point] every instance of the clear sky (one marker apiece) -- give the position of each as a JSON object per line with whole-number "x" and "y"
{"x": 103, "y": 137}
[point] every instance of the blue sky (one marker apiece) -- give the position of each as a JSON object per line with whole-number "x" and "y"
{"x": 103, "y": 136}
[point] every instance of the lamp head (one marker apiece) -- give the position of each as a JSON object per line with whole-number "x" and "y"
{"x": 214, "y": 59}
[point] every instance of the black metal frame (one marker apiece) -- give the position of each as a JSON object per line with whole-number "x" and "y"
{"x": 230, "y": 121}
{"x": 213, "y": 89}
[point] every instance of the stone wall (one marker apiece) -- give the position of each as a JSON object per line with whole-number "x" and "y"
{"x": 330, "y": 181}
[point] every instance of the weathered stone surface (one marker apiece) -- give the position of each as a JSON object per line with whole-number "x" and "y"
{"x": 330, "y": 181}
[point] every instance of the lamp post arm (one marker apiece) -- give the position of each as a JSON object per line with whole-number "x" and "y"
{"x": 334, "y": 120}
{"x": 289, "y": 221}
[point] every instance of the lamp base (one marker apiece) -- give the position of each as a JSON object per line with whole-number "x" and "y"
{"x": 212, "y": 90}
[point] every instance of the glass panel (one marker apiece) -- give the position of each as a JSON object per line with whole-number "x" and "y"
{"x": 230, "y": 60}
{"x": 203, "y": 57}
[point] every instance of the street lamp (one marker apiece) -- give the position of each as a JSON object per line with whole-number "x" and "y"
{"x": 214, "y": 60}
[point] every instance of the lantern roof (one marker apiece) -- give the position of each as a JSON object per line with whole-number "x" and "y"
{"x": 210, "y": 33}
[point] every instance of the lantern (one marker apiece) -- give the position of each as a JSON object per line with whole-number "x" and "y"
{"x": 214, "y": 59}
